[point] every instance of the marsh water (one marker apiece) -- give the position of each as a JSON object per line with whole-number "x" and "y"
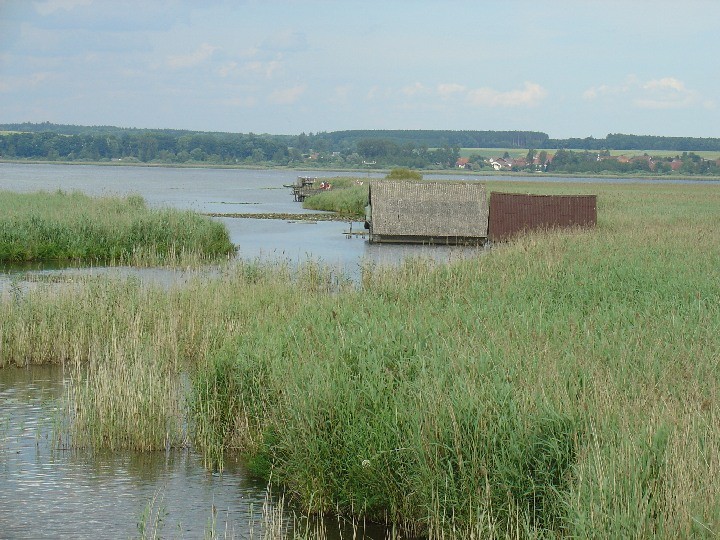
{"x": 48, "y": 491}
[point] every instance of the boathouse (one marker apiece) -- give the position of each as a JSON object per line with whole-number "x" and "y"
{"x": 427, "y": 212}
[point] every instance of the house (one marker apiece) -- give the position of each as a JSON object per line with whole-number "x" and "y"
{"x": 463, "y": 163}
{"x": 427, "y": 212}
{"x": 499, "y": 164}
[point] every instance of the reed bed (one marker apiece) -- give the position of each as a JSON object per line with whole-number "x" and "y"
{"x": 565, "y": 384}
{"x": 74, "y": 227}
{"x": 348, "y": 197}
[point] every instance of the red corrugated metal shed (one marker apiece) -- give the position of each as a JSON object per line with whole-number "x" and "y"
{"x": 512, "y": 213}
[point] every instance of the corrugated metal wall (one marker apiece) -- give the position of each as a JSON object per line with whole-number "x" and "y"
{"x": 511, "y": 213}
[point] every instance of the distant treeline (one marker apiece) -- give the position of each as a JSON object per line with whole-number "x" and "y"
{"x": 421, "y": 149}
{"x": 619, "y": 141}
{"x": 588, "y": 162}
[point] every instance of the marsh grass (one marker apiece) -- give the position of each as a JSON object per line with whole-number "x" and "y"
{"x": 566, "y": 384}
{"x": 76, "y": 228}
{"x": 348, "y": 197}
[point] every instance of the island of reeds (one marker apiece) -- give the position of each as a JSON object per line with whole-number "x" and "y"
{"x": 76, "y": 228}
{"x": 565, "y": 384}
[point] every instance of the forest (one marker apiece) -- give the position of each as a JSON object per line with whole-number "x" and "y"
{"x": 419, "y": 149}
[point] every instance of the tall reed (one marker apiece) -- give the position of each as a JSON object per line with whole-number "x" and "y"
{"x": 74, "y": 227}
{"x": 565, "y": 384}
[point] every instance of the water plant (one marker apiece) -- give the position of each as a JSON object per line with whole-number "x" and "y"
{"x": 75, "y": 227}
{"x": 348, "y": 197}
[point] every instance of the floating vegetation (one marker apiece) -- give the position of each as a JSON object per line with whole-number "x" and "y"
{"x": 287, "y": 217}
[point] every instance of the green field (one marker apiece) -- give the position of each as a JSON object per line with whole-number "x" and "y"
{"x": 565, "y": 384}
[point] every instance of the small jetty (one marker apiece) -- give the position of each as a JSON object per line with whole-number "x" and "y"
{"x": 303, "y": 187}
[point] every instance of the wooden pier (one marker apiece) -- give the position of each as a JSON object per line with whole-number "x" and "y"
{"x": 304, "y": 187}
{"x": 301, "y": 192}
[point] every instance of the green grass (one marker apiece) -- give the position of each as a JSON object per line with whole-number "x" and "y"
{"x": 563, "y": 385}
{"x": 348, "y": 197}
{"x": 74, "y": 227}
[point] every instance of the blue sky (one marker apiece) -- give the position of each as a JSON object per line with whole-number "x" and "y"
{"x": 568, "y": 68}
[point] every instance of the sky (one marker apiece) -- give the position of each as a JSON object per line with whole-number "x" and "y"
{"x": 569, "y": 68}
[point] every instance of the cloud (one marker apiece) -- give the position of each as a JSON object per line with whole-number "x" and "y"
{"x": 529, "y": 95}
{"x": 450, "y": 89}
{"x": 48, "y": 7}
{"x": 203, "y": 52}
{"x": 266, "y": 69}
{"x": 667, "y": 93}
{"x": 286, "y": 96}
{"x": 254, "y": 67}
{"x": 414, "y": 89}
{"x": 663, "y": 93}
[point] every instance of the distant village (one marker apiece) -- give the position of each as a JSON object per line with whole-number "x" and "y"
{"x": 598, "y": 161}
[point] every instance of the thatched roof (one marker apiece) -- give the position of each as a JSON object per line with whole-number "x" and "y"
{"x": 429, "y": 209}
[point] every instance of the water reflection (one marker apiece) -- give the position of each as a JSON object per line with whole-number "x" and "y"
{"x": 51, "y": 493}
{"x": 54, "y": 493}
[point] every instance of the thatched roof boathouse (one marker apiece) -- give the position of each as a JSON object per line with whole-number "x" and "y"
{"x": 428, "y": 212}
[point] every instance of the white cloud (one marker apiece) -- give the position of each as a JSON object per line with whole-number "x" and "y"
{"x": 666, "y": 93}
{"x": 286, "y": 96}
{"x": 201, "y": 54}
{"x": 414, "y": 89}
{"x": 266, "y": 69}
{"x": 665, "y": 83}
{"x": 48, "y": 7}
{"x": 663, "y": 93}
{"x": 255, "y": 67}
{"x": 447, "y": 90}
{"x": 529, "y": 95}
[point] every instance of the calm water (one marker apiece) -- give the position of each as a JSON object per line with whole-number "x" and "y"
{"x": 50, "y": 493}
{"x": 220, "y": 191}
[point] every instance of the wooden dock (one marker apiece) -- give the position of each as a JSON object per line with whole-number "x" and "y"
{"x": 304, "y": 187}
{"x": 300, "y": 193}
